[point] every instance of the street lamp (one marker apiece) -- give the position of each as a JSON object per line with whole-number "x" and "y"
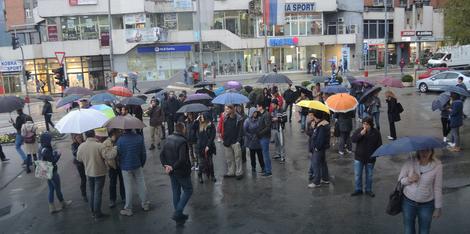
{"x": 321, "y": 58}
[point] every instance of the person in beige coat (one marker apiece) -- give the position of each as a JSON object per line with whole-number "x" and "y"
{"x": 28, "y": 132}
{"x": 90, "y": 153}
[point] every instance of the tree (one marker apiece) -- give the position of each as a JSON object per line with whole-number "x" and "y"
{"x": 456, "y": 23}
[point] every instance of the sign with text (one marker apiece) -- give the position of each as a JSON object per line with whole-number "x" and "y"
{"x": 407, "y": 33}
{"x": 299, "y": 7}
{"x": 136, "y": 35}
{"x": 288, "y": 41}
{"x": 82, "y": 2}
{"x": 424, "y": 33}
{"x": 52, "y": 33}
{"x": 10, "y": 66}
{"x": 164, "y": 49}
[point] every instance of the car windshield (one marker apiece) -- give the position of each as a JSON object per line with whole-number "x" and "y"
{"x": 438, "y": 56}
{"x": 466, "y": 73}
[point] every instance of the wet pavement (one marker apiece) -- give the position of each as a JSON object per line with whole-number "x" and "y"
{"x": 280, "y": 204}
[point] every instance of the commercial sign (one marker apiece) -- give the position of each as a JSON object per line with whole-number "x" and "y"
{"x": 136, "y": 35}
{"x": 424, "y": 33}
{"x": 82, "y": 2}
{"x": 10, "y": 66}
{"x": 164, "y": 49}
{"x": 407, "y": 33}
{"x": 182, "y": 4}
{"x": 283, "y": 41}
{"x": 52, "y": 34}
{"x": 299, "y": 7}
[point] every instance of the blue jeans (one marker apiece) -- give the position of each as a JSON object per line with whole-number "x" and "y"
{"x": 264, "y": 142}
{"x": 360, "y": 111}
{"x": 18, "y": 143}
{"x": 54, "y": 185}
{"x": 376, "y": 117}
{"x": 303, "y": 119}
{"x": 423, "y": 211}
{"x": 318, "y": 167}
{"x": 178, "y": 184}
{"x": 96, "y": 185}
{"x": 358, "y": 168}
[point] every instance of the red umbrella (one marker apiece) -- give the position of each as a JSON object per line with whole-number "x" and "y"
{"x": 120, "y": 91}
{"x": 391, "y": 82}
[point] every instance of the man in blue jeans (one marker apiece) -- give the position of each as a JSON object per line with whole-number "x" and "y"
{"x": 20, "y": 120}
{"x": 264, "y": 136}
{"x": 367, "y": 139}
{"x": 175, "y": 159}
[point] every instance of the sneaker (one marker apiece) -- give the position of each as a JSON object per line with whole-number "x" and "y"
{"x": 282, "y": 161}
{"x": 349, "y": 151}
{"x": 313, "y": 185}
{"x": 390, "y": 138}
{"x": 126, "y": 212}
{"x": 277, "y": 157}
{"x": 451, "y": 144}
{"x": 5, "y": 160}
{"x": 341, "y": 153}
{"x": 193, "y": 168}
{"x": 324, "y": 182}
{"x": 267, "y": 175}
{"x": 146, "y": 206}
{"x": 444, "y": 139}
{"x": 356, "y": 193}
{"x": 370, "y": 194}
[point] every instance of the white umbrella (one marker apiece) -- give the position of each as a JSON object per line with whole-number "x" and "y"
{"x": 80, "y": 121}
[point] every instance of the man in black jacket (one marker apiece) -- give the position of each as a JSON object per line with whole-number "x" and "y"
{"x": 264, "y": 136}
{"x": 20, "y": 120}
{"x": 367, "y": 140}
{"x": 170, "y": 107}
{"x": 289, "y": 97}
{"x": 175, "y": 160}
{"x": 47, "y": 112}
{"x": 233, "y": 125}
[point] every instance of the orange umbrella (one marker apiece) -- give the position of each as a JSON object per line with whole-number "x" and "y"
{"x": 341, "y": 102}
{"x": 120, "y": 91}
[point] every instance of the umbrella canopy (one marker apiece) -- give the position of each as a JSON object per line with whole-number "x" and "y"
{"x": 350, "y": 79}
{"x": 274, "y": 78}
{"x": 120, "y": 91}
{"x": 440, "y": 101}
{"x": 369, "y": 93}
{"x": 230, "y": 98}
{"x": 219, "y": 91}
{"x": 456, "y": 89}
{"x": 363, "y": 81}
{"x": 78, "y": 90}
{"x": 143, "y": 97}
{"x": 206, "y": 91}
{"x": 304, "y": 90}
{"x": 391, "y": 82}
{"x": 233, "y": 85}
{"x": 80, "y": 121}
{"x": 248, "y": 88}
{"x": 102, "y": 98}
{"x": 68, "y": 99}
{"x": 341, "y": 102}
{"x": 319, "y": 79}
{"x": 194, "y": 107}
{"x": 10, "y": 103}
{"x": 408, "y": 145}
{"x": 125, "y": 122}
{"x": 198, "y": 97}
{"x": 313, "y": 104}
{"x": 203, "y": 84}
{"x": 334, "y": 89}
{"x": 44, "y": 98}
{"x": 160, "y": 95}
{"x": 104, "y": 109}
{"x": 153, "y": 90}
{"x": 132, "y": 101}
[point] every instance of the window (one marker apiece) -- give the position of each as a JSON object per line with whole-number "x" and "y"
{"x": 381, "y": 29}
{"x": 366, "y": 30}
{"x": 440, "y": 76}
{"x": 373, "y": 29}
{"x": 70, "y": 28}
{"x": 89, "y": 27}
{"x": 170, "y": 21}
{"x": 185, "y": 21}
{"x": 452, "y": 76}
{"x": 332, "y": 28}
{"x": 218, "y": 20}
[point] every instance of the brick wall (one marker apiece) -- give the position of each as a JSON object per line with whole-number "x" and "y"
{"x": 14, "y": 12}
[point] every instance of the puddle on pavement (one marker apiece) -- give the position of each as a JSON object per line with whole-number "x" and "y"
{"x": 12, "y": 210}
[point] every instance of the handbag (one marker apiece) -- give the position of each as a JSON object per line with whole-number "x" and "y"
{"x": 43, "y": 170}
{"x": 395, "y": 201}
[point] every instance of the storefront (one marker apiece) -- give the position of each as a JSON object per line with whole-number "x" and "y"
{"x": 376, "y": 52}
{"x": 10, "y": 75}
{"x": 285, "y": 53}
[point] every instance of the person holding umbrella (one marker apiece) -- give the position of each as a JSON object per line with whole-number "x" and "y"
{"x": 393, "y": 112}
{"x": 421, "y": 177}
{"x": 303, "y": 112}
{"x": 318, "y": 144}
{"x": 277, "y": 131}
{"x": 445, "y": 115}
{"x": 455, "y": 121}
{"x": 367, "y": 139}
{"x": 47, "y": 112}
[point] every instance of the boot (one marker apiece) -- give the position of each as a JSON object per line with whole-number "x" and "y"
{"x": 64, "y": 204}
{"x": 53, "y": 209}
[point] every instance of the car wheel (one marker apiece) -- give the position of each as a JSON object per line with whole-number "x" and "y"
{"x": 423, "y": 88}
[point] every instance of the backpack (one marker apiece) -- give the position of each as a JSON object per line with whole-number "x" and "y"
{"x": 29, "y": 136}
{"x": 400, "y": 108}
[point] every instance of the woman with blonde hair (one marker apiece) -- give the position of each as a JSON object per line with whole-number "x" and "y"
{"x": 421, "y": 177}
{"x": 393, "y": 111}
{"x": 205, "y": 145}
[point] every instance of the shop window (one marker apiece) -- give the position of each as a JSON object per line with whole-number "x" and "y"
{"x": 366, "y": 30}
{"x": 132, "y": 21}
{"x": 332, "y": 28}
{"x": 89, "y": 27}
{"x": 218, "y": 20}
{"x": 70, "y": 28}
{"x": 170, "y": 21}
{"x": 185, "y": 21}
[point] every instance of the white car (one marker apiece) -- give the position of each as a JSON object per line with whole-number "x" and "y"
{"x": 438, "y": 81}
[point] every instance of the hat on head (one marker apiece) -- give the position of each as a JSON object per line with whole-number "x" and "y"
{"x": 275, "y": 101}
{"x": 101, "y": 132}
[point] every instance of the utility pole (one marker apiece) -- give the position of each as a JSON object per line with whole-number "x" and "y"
{"x": 201, "y": 69}
{"x": 23, "y": 75}
{"x": 386, "y": 39}
{"x": 111, "y": 62}
{"x": 265, "y": 32}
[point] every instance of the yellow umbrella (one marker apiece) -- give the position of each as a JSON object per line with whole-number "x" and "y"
{"x": 313, "y": 104}
{"x": 341, "y": 102}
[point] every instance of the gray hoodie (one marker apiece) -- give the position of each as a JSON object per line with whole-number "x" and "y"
{"x": 251, "y": 127}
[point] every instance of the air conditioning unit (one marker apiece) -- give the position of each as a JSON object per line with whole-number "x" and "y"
{"x": 340, "y": 19}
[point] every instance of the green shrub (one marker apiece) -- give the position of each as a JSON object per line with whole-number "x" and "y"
{"x": 407, "y": 78}
{"x": 305, "y": 83}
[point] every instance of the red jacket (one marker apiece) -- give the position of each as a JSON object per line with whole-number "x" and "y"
{"x": 280, "y": 101}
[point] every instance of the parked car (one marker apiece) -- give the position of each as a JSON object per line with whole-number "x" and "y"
{"x": 438, "y": 81}
{"x": 432, "y": 71}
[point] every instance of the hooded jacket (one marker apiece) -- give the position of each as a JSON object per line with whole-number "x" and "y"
{"x": 320, "y": 139}
{"x": 47, "y": 153}
{"x": 250, "y": 128}
{"x": 264, "y": 130}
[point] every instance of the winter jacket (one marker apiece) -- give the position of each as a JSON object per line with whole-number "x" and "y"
{"x": 170, "y": 107}
{"x": 289, "y": 96}
{"x": 320, "y": 139}
{"x": 89, "y": 152}
{"x": 191, "y": 128}
{"x": 264, "y": 125}
{"x": 232, "y": 130}
{"x": 392, "y": 110}
{"x": 175, "y": 153}
{"x": 373, "y": 105}
{"x": 20, "y": 120}
{"x": 47, "y": 108}
{"x": 345, "y": 121}
{"x": 366, "y": 144}
{"x": 205, "y": 138}
{"x": 47, "y": 153}
{"x": 157, "y": 116}
{"x": 456, "y": 114}
{"x": 131, "y": 151}
{"x": 250, "y": 128}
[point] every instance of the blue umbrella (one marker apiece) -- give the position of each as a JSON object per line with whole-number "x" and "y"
{"x": 230, "y": 98}
{"x": 440, "y": 101}
{"x": 409, "y": 144}
{"x": 458, "y": 90}
{"x": 132, "y": 101}
{"x": 334, "y": 89}
{"x": 102, "y": 98}
{"x": 219, "y": 91}
{"x": 68, "y": 99}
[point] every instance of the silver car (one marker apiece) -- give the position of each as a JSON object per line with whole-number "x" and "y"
{"x": 438, "y": 81}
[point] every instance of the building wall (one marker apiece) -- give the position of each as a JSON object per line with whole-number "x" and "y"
{"x": 15, "y": 13}
{"x": 5, "y": 37}
{"x": 50, "y": 8}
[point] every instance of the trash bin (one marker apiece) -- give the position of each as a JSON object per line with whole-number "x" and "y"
{"x": 366, "y": 73}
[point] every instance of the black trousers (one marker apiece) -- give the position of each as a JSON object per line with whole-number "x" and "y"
{"x": 253, "y": 154}
{"x": 171, "y": 124}
{"x": 289, "y": 111}
{"x": 114, "y": 175}
{"x": 445, "y": 126}
{"x": 2, "y": 155}
{"x": 393, "y": 130}
{"x": 48, "y": 120}
{"x": 81, "y": 172}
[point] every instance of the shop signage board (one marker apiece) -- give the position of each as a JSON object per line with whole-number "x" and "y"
{"x": 10, "y": 66}
{"x": 283, "y": 41}
{"x": 182, "y": 4}
{"x": 299, "y": 7}
{"x": 82, "y": 2}
{"x": 424, "y": 33}
{"x": 136, "y": 35}
{"x": 408, "y": 33}
{"x": 52, "y": 34}
{"x": 164, "y": 49}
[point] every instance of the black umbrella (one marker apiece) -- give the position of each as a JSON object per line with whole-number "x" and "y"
{"x": 248, "y": 88}
{"x": 153, "y": 90}
{"x": 68, "y": 99}
{"x": 274, "y": 78}
{"x": 10, "y": 103}
{"x": 203, "y": 84}
{"x": 132, "y": 101}
{"x": 440, "y": 101}
{"x": 143, "y": 97}
{"x": 369, "y": 93}
{"x": 206, "y": 91}
{"x": 304, "y": 90}
{"x": 78, "y": 90}
{"x": 44, "y": 98}
{"x": 194, "y": 107}
{"x": 456, "y": 89}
